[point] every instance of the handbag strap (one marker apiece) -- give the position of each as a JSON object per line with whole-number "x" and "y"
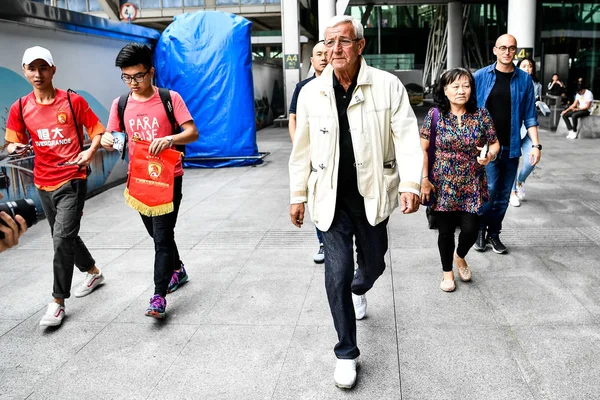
{"x": 432, "y": 133}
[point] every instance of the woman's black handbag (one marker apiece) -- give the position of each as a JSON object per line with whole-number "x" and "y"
{"x": 431, "y": 158}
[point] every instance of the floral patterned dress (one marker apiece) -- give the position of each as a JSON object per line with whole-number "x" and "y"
{"x": 459, "y": 180}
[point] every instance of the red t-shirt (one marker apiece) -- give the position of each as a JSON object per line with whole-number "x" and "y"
{"x": 53, "y": 135}
{"x": 148, "y": 119}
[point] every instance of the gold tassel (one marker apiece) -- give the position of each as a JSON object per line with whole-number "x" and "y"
{"x": 149, "y": 211}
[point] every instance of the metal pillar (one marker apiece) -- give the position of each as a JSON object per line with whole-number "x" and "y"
{"x": 521, "y": 24}
{"x": 455, "y": 35}
{"x": 326, "y": 12}
{"x": 291, "y": 48}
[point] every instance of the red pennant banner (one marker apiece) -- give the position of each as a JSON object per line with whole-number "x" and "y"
{"x": 151, "y": 178}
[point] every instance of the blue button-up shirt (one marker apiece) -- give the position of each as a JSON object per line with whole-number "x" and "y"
{"x": 522, "y": 101}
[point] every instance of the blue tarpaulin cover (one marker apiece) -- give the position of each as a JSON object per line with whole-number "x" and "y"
{"x": 206, "y": 57}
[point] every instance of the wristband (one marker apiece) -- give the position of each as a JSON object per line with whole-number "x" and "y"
{"x": 425, "y": 177}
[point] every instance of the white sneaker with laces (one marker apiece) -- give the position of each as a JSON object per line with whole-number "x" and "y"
{"x": 521, "y": 192}
{"x": 88, "y": 285}
{"x": 345, "y": 373}
{"x": 360, "y": 305}
{"x": 319, "y": 257}
{"x": 54, "y": 315}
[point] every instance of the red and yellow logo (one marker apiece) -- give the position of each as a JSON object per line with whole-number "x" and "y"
{"x": 154, "y": 169}
{"x": 62, "y": 117}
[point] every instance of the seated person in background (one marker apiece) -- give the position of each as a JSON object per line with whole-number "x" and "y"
{"x": 579, "y": 109}
{"x": 556, "y": 87}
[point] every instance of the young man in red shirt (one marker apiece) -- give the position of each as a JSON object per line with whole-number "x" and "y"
{"x": 48, "y": 116}
{"x": 145, "y": 118}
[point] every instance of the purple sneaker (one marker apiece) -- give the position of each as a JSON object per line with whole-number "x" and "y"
{"x": 156, "y": 308}
{"x": 178, "y": 278}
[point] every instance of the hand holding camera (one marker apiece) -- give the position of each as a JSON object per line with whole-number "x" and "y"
{"x": 15, "y": 218}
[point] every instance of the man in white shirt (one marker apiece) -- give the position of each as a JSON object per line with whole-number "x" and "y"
{"x": 579, "y": 109}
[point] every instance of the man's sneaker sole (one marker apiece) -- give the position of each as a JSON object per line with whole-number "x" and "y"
{"x": 181, "y": 282}
{"x": 155, "y": 314}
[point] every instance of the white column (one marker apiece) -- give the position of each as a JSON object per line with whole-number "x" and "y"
{"x": 326, "y": 12}
{"x": 521, "y": 24}
{"x": 291, "y": 48}
{"x": 455, "y": 37}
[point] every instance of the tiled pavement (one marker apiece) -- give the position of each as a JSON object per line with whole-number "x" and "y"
{"x": 253, "y": 322}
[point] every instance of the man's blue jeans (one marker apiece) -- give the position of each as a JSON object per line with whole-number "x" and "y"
{"x": 341, "y": 280}
{"x": 501, "y": 175}
{"x": 526, "y": 168}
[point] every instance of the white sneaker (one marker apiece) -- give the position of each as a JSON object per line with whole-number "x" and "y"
{"x": 90, "y": 283}
{"x": 54, "y": 315}
{"x": 360, "y": 305}
{"x": 521, "y": 192}
{"x": 572, "y": 135}
{"x": 345, "y": 373}
{"x": 319, "y": 257}
{"x": 514, "y": 200}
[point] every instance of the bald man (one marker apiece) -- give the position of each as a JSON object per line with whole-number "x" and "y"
{"x": 508, "y": 94}
{"x": 319, "y": 62}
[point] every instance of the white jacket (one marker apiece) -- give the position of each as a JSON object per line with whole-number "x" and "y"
{"x": 384, "y": 133}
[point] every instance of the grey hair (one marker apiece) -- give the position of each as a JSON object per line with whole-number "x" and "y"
{"x": 343, "y": 19}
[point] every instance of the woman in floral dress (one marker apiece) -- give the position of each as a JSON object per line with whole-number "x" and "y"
{"x": 458, "y": 177}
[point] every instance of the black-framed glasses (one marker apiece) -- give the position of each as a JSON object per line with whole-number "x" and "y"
{"x": 344, "y": 42}
{"x": 138, "y": 78}
{"x": 511, "y": 49}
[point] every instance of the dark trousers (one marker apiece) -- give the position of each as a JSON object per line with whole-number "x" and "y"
{"x": 162, "y": 230}
{"x": 447, "y": 221}
{"x": 341, "y": 280}
{"x": 575, "y": 115}
{"x": 63, "y": 208}
{"x": 501, "y": 175}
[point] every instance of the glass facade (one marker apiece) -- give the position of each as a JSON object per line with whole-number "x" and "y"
{"x": 396, "y": 34}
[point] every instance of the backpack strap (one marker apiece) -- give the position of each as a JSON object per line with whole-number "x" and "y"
{"x": 77, "y": 127}
{"x": 121, "y": 110}
{"x": 22, "y": 118}
{"x": 165, "y": 97}
{"x": 432, "y": 133}
{"x": 121, "y": 113}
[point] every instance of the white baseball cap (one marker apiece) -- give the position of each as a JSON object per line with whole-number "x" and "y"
{"x": 37, "y": 53}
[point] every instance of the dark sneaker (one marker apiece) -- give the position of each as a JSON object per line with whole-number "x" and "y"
{"x": 480, "y": 244}
{"x": 156, "y": 308}
{"x": 497, "y": 246}
{"x": 178, "y": 279}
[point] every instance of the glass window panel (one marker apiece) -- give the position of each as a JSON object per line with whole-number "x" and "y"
{"x": 94, "y": 5}
{"x": 134, "y": 2}
{"x": 227, "y": 2}
{"x": 252, "y": 1}
{"x": 150, "y": 3}
{"x": 273, "y": 1}
{"x": 193, "y": 3}
{"x": 171, "y": 3}
{"x": 61, "y": 4}
{"x": 77, "y": 5}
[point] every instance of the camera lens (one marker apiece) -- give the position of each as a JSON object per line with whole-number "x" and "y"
{"x": 23, "y": 207}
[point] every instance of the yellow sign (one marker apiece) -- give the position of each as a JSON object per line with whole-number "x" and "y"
{"x": 291, "y": 61}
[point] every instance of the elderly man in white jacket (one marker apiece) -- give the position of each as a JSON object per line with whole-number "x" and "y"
{"x": 356, "y": 150}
